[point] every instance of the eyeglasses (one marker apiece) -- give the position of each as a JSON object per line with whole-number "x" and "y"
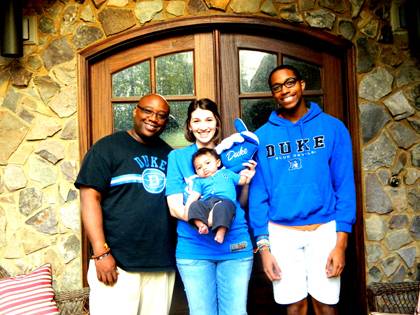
{"x": 161, "y": 116}
{"x": 289, "y": 83}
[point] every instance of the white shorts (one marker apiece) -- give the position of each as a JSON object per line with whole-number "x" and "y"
{"x": 134, "y": 293}
{"x": 302, "y": 257}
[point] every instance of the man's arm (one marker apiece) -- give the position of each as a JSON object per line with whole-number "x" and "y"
{"x": 106, "y": 268}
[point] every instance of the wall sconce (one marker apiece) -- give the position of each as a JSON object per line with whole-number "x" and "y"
{"x": 11, "y": 28}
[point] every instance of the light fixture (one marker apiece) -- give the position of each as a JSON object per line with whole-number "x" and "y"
{"x": 11, "y": 28}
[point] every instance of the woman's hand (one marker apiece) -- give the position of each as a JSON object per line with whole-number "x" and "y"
{"x": 249, "y": 170}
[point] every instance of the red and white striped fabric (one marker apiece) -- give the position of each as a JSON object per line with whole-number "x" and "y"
{"x": 30, "y": 294}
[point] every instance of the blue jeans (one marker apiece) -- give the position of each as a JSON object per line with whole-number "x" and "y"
{"x": 216, "y": 287}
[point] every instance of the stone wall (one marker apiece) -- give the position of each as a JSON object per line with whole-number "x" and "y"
{"x": 39, "y": 208}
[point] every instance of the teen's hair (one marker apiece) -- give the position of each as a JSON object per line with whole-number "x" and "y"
{"x": 205, "y": 104}
{"x": 204, "y": 151}
{"x": 282, "y": 67}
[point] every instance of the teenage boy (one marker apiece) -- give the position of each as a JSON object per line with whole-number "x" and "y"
{"x": 302, "y": 198}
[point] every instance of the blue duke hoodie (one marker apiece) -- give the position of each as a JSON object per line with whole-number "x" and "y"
{"x": 304, "y": 173}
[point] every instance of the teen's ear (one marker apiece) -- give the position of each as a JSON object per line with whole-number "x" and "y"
{"x": 218, "y": 163}
{"x": 303, "y": 84}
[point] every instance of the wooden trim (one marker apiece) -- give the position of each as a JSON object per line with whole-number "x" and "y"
{"x": 246, "y": 23}
{"x": 84, "y": 142}
{"x": 216, "y": 53}
{"x": 203, "y": 54}
{"x": 333, "y": 94}
{"x": 230, "y": 83}
{"x": 83, "y": 105}
{"x": 358, "y": 233}
{"x": 104, "y": 113}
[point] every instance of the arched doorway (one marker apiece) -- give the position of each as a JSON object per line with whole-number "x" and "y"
{"x": 226, "y": 59}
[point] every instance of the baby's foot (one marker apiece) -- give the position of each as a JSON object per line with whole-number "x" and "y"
{"x": 203, "y": 229}
{"x": 220, "y": 235}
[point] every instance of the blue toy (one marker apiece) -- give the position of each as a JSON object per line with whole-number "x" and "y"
{"x": 238, "y": 148}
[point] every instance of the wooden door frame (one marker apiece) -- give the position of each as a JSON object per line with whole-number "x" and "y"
{"x": 247, "y": 25}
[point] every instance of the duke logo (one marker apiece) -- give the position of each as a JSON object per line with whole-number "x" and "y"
{"x": 230, "y": 155}
{"x": 153, "y": 180}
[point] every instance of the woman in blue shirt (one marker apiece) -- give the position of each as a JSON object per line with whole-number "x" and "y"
{"x": 215, "y": 275}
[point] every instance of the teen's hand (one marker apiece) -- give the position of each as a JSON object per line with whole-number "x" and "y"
{"x": 249, "y": 170}
{"x": 335, "y": 262}
{"x": 270, "y": 266}
{"x": 337, "y": 258}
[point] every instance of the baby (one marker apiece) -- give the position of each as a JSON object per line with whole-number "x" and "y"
{"x": 212, "y": 201}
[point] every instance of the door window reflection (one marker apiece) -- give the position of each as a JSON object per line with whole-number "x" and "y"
{"x": 254, "y": 68}
{"x": 174, "y": 131}
{"x": 175, "y": 74}
{"x": 132, "y": 81}
{"x": 255, "y": 112}
{"x": 311, "y": 73}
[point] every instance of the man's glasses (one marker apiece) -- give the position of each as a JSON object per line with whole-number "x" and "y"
{"x": 161, "y": 116}
{"x": 289, "y": 83}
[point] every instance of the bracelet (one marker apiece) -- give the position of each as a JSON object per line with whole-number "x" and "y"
{"x": 263, "y": 248}
{"x": 259, "y": 249}
{"x": 263, "y": 242}
{"x": 107, "y": 250}
{"x": 102, "y": 256}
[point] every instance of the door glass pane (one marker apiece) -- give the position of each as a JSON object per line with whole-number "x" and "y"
{"x": 175, "y": 74}
{"x": 310, "y": 73}
{"x": 132, "y": 81}
{"x": 174, "y": 132}
{"x": 315, "y": 98}
{"x": 256, "y": 112}
{"x": 254, "y": 67}
{"x": 123, "y": 115}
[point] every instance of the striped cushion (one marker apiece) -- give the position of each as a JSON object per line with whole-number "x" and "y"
{"x": 30, "y": 294}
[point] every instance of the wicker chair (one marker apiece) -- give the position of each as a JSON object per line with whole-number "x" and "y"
{"x": 69, "y": 303}
{"x": 397, "y": 298}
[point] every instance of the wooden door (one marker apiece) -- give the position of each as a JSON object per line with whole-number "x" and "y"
{"x": 180, "y": 68}
{"x": 246, "y": 61}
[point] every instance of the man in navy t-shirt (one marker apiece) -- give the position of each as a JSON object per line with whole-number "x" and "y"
{"x": 125, "y": 215}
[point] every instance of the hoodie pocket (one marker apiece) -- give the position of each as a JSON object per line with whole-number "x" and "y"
{"x": 295, "y": 202}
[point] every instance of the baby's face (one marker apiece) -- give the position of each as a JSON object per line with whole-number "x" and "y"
{"x": 206, "y": 165}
